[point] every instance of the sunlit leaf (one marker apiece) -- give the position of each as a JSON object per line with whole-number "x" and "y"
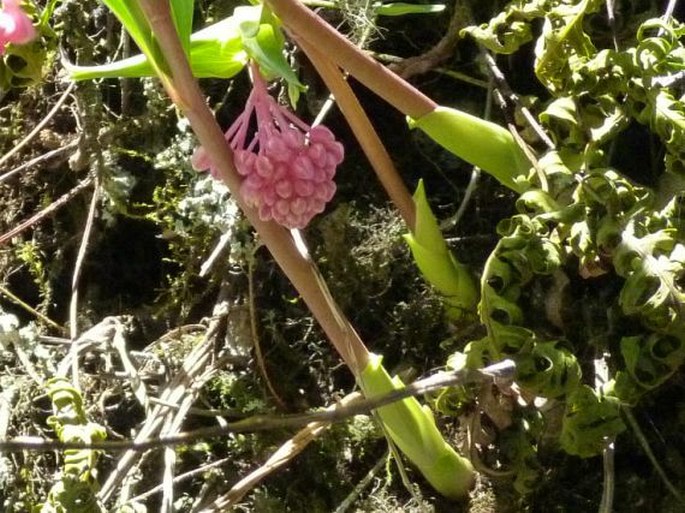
{"x": 402, "y": 8}
{"x": 215, "y": 51}
{"x": 436, "y": 262}
{"x": 479, "y": 142}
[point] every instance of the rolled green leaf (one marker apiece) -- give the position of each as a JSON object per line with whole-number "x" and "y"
{"x": 479, "y": 142}
{"x": 412, "y": 428}
{"x": 437, "y": 264}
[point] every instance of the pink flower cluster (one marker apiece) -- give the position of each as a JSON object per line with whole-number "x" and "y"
{"x": 288, "y": 166}
{"x": 15, "y": 26}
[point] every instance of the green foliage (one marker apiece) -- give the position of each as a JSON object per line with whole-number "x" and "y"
{"x": 220, "y": 50}
{"x": 215, "y": 51}
{"x": 24, "y": 65}
{"x": 76, "y": 488}
{"x": 590, "y": 420}
{"x": 436, "y": 262}
{"x": 412, "y": 427}
{"x": 587, "y": 221}
{"x": 35, "y": 261}
{"x": 402, "y": 8}
{"x": 509, "y": 30}
{"x": 479, "y": 142}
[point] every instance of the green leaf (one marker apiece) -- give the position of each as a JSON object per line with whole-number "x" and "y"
{"x": 413, "y": 429}
{"x": 549, "y": 370}
{"x": 134, "y": 21}
{"x": 437, "y": 264}
{"x": 653, "y": 265}
{"x": 653, "y": 359}
{"x": 479, "y": 142}
{"x": 215, "y": 51}
{"x": 402, "y": 8}
{"x": 266, "y": 45}
{"x": 182, "y": 13}
{"x": 590, "y": 419}
{"x": 510, "y": 29}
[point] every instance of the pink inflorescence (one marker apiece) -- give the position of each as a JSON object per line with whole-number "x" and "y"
{"x": 15, "y": 26}
{"x": 288, "y": 166}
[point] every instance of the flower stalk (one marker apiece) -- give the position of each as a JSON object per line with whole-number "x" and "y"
{"x": 481, "y": 143}
{"x": 186, "y": 94}
{"x": 420, "y": 440}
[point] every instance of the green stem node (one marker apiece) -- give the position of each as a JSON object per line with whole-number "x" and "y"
{"x": 412, "y": 427}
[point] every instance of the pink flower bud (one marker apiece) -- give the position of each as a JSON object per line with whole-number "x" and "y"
{"x": 288, "y": 166}
{"x": 15, "y": 26}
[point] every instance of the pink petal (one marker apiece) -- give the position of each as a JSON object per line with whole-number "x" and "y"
{"x": 277, "y": 149}
{"x": 264, "y": 166}
{"x": 244, "y": 161}
{"x": 282, "y": 207}
{"x": 284, "y": 189}
{"x": 200, "y": 160}
{"x": 15, "y": 26}
{"x": 293, "y": 138}
{"x": 265, "y": 213}
{"x": 268, "y": 196}
{"x": 304, "y": 188}
{"x": 318, "y": 154}
{"x": 336, "y": 153}
{"x": 303, "y": 168}
{"x": 298, "y": 206}
{"x": 320, "y": 133}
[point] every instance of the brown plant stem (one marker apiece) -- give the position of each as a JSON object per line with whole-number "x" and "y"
{"x": 185, "y": 92}
{"x": 364, "y": 132}
{"x": 308, "y": 27}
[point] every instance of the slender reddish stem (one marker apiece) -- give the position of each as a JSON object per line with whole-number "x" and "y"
{"x": 307, "y": 26}
{"x": 364, "y": 132}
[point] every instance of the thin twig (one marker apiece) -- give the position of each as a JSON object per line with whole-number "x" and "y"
{"x": 443, "y": 49}
{"x": 256, "y": 341}
{"x": 39, "y": 159}
{"x": 40, "y": 316}
{"x": 508, "y": 100}
{"x": 224, "y": 241}
{"x": 503, "y": 370}
{"x": 193, "y": 369}
{"x": 76, "y": 276}
{"x": 50, "y": 209}
{"x": 397, "y": 458}
{"x": 607, "y": 503}
{"x": 181, "y": 478}
{"x": 285, "y": 453}
{"x": 40, "y": 125}
{"x": 475, "y": 171}
{"x": 652, "y": 458}
{"x": 511, "y": 99}
{"x": 457, "y": 75}
{"x": 361, "y": 486}
{"x": 670, "y": 9}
